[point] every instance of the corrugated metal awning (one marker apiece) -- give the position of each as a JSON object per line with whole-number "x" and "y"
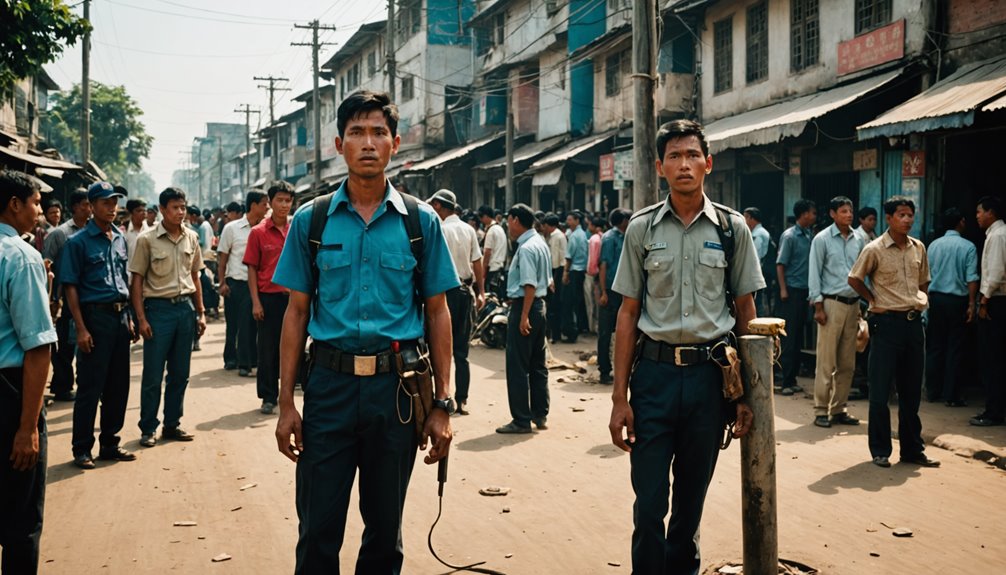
{"x": 526, "y": 152}
{"x": 950, "y": 103}
{"x": 571, "y": 150}
{"x": 39, "y": 161}
{"x": 786, "y": 119}
{"x": 997, "y": 104}
{"x": 547, "y": 177}
{"x": 402, "y": 160}
{"x": 451, "y": 155}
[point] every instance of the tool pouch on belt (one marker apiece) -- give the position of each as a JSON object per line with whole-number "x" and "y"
{"x": 729, "y": 361}
{"x": 415, "y": 375}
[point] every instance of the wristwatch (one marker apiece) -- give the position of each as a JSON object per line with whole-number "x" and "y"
{"x": 446, "y": 404}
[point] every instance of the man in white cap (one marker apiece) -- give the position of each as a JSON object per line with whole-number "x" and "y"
{"x": 463, "y": 244}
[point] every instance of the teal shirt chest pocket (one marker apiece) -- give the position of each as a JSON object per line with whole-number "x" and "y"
{"x": 395, "y": 277}
{"x": 334, "y": 275}
{"x": 709, "y": 274}
{"x": 659, "y": 275}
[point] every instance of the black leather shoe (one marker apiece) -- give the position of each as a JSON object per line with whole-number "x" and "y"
{"x": 956, "y": 403}
{"x": 921, "y": 459}
{"x": 116, "y": 454}
{"x": 244, "y": 372}
{"x": 881, "y": 461}
{"x": 541, "y": 423}
{"x": 513, "y": 428}
{"x": 65, "y": 396}
{"x": 230, "y": 366}
{"x": 176, "y": 433}
{"x": 822, "y": 421}
{"x": 845, "y": 419}
{"x": 84, "y": 461}
{"x": 984, "y": 420}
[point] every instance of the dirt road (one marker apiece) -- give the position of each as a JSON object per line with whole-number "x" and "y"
{"x": 569, "y": 510}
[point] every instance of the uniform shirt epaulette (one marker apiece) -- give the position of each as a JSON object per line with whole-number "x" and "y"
{"x": 646, "y": 210}
{"x": 727, "y": 209}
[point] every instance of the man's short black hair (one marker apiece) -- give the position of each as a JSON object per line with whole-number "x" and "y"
{"x": 193, "y": 211}
{"x": 802, "y": 206}
{"x": 992, "y": 204}
{"x": 77, "y": 196}
{"x": 119, "y": 189}
{"x": 170, "y": 194}
{"x": 362, "y": 102}
{"x": 951, "y": 218}
{"x": 754, "y": 212}
{"x": 575, "y": 215}
{"x": 54, "y": 203}
{"x": 279, "y": 187}
{"x": 135, "y": 203}
{"x": 254, "y": 197}
{"x": 207, "y": 214}
{"x": 235, "y": 207}
{"x": 15, "y": 184}
{"x": 551, "y": 220}
{"x": 618, "y": 215}
{"x": 523, "y": 214}
{"x": 680, "y": 129}
{"x": 486, "y": 211}
{"x": 837, "y": 202}
{"x": 894, "y": 202}
{"x": 866, "y": 212}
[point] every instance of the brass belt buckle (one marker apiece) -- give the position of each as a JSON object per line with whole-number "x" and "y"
{"x": 364, "y": 364}
{"x": 912, "y": 314}
{"x": 678, "y": 360}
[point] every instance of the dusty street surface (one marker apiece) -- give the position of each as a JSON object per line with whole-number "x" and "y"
{"x": 570, "y": 506}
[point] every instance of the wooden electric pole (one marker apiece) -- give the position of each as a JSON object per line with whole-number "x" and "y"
{"x": 389, "y": 42}
{"x": 273, "y": 149}
{"x": 245, "y": 174}
{"x": 85, "y": 91}
{"x": 510, "y": 195}
{"x": 644, "y": 42}
{"x": 315, "y": 100}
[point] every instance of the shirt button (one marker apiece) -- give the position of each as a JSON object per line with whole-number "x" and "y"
{"x": 686, "y": 314}
{"x": 686, "y": 283}
{"x": 686, "y": 257}
{"x": 365, "y": 260}
{"x": 364, "y": 288}
{"x": 364, "y": 317}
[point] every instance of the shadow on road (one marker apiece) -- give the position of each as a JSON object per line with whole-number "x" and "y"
{"x": 865, "y": 476}
{"x": 61, "y": 471}
{"x": 237, "y": 421}
{"x": 220, "y": 378}
{"x": 493, "y": 441}
{"x": 606, "y": 451}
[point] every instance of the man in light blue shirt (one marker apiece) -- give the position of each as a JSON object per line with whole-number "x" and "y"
{"x": 791, "y": 273}
{"x": 26, "y": 333}
{"x": 574, "y": 311}
{"x": 762, "y": 242}
{"x": 609, "y": 300}
{"x": 833, "y": 252}
{"x": 953, "y": 264}
{"x": 527, "y": 286}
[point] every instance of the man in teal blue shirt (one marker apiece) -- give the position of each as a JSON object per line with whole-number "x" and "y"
{"x": 26, "y": 333}
{"x": 953, "y": 265}
{"x": 527, "y": 286}
{"x": 356, "y": 416}
{"x": 574, "y": 312}
{"x": 609, "y": 300}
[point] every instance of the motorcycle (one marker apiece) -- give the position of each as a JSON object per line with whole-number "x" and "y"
{"x": 491, "y": 323}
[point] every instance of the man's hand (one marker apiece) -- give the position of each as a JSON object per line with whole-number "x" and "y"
{"x": 24, "y": 454}
{"x": 983, "y": 311}
{"x": 971, "y": 314}
{"x": 224, "y": 290}
{"x": 84, "y": 341}
{"x": 438, "y": 431}
{"x": 783, "y": 294}
{"x": 134, "y": 334}
{"x": 258, "y": 312}
{"x": 480, "y": 301}
{"x": 819, "y": 316}
{"x": 622, "y": 418}
{"x": 603, "y": 300}
{"x": 54, "y": 309}
{"x": 525, "y": 326}
{"x": 745, "y": 420}
{"x": 146, "y": 332}
{"x": 200, "y": 324}
{"x": 565, "y": 278}
{"x": 289, "y": 424}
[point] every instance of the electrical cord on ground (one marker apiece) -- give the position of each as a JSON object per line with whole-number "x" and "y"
{"x": 474, "y": 567}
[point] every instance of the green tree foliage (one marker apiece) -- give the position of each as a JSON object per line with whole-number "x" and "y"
{"x": 33, "y": 33}
{"x": 119, "y": 141}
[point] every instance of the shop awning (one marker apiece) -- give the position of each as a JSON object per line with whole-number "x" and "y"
{"x": 950, "y": 103}
{"x": 571, "y": 150}
{"x": 786, "y": 119}
{"x": 403, "y": 160}
{"x": 38, "y": 161}
{"x": 549, "y": 177}
{"x": 526, "y": 152}
{"x": 452, "y": 155}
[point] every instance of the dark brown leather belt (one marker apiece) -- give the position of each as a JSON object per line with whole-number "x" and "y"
{"x": 842, "y": 299}
{"x": 682, "y": 355}
{"x": 362, "y": 365}
{"x": 175, "y": 300}
{"x": 910, "y": 315}
{"x": 114, "y": 307}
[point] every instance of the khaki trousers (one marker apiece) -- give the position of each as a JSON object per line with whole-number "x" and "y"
{"x": 836, "y": 357}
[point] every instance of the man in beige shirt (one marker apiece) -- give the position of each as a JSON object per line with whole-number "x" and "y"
{"x": 898, "y": 269}
{"x": 992, "y": 310}
{"x": 168, "y": 300}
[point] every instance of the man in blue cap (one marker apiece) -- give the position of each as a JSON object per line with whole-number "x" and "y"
{"x": 96, "y": 282}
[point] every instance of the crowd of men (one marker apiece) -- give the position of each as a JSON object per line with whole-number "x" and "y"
{"x": 370, "y": 276}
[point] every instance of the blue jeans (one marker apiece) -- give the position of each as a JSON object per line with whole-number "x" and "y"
{"x": 174, "y": 327}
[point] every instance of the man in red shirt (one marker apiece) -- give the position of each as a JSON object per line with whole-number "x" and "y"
{"x": 265, "y": 243}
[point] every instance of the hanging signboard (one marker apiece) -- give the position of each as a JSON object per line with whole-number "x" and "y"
{"x": 607, "y": 167}
{"x": 871, "y": 49}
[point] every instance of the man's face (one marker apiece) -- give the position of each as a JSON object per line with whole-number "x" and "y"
{"x": 281, "y": 204}
{"x": 26, "y": 213}
{"x": 259, "y": 208}
{"x": 367, "y": 144}
{"x": 105, "y": 209}
{"x": 869, "y": 223}
{"x": 512, "y": 225}
{"x": 151, "y": 217}
{"x": 571, "y": 222}
{"x": 684, "y": 166}
{"x": 53, "y": 214}
{"x": 82, "y": 210}
{"x": 842, "y": 216}
{"x": 138, "y": 214}
{"x": 807, "y": 218}
{"x": 231, "y": 216}
{"x": 902, "y": 220}
{"x": 174, "y": 213}
{"x": 751, "y": 222}
{"x": 985, "y": 217}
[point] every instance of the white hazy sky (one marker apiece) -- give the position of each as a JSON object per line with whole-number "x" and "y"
{"x": 189, "y": 62}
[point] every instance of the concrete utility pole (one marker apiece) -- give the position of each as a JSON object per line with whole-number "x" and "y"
{"x": 272, "y": 118}
{"x": 245, "y": 174}
{"x": 644, "y": 43}
{"x": 510, "y": 195}
{"x": 389, "y": 43}
{"x": 758, "y": 489}
{"x": 315, "y": 101}
{"x": 85, "y": 92}
{"x": 220, "y": 170}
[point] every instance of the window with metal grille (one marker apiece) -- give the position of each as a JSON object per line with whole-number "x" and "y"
{"x": 805, "y": 34}
{"x": 499, "y": 28}
{"x": 757, "y": 42}
{"x": 408, "y": 88}
{"x": 612, "y": 69}
{"x": 871, "y": 14}
{"x": 372, "y": 64}
{"x": 723, "y": 56}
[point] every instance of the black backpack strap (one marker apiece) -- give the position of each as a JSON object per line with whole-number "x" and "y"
{"x": 319, "y": 217}
{"x": 728, "y": 240}
{"x": 651, "y": 214}
{"x": 415, "y": 231}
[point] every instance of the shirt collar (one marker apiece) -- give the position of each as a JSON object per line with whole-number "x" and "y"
{"x": 952, "y": 233}
{"x": 93, "y": 230}
{"x": 391, "y": 196}
{"x": 452, "y": 218}
{"x": 525, "y": 236}
{"x": 708, "y": 210}
{"x": 995, "y": 226}
{"x": 7, "y": 230}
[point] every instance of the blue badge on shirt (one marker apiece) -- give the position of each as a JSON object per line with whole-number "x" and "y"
{"x": 713, "y": 245}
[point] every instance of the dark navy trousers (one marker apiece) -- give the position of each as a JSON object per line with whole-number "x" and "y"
{"x": 679, "y": 424}
{"x": 526, "y": 371}
{"x": 102, "y": 377}
{"x": 268, "y": 332}
{"x": 353, "y": 423}
{"x": 461, "y": 302}
{"x": 897, "y": 356}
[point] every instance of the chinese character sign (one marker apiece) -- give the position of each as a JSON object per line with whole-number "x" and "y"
{"x": 913, "y": 165}
{"x": 871, "y": 49}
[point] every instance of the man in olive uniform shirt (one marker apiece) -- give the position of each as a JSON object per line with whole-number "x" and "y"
{"x": 671, "y": 277}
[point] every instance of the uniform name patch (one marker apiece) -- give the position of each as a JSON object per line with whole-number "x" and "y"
{"x": 656, "y": 246}
{"x": 713, "y": 245}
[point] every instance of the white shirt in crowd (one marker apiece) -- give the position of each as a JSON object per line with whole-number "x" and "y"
{"x": 233, "y": 241}
{"x": 496, "y": 241}
{"x": 994, "y": 261}
{"x": 463, "y": 244}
